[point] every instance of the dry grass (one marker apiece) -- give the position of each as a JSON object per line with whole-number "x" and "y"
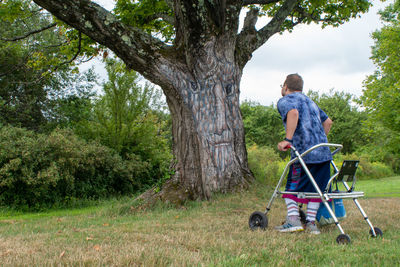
{"x": 212, "y": 233}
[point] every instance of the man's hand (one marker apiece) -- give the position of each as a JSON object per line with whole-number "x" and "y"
{"x": 284, "y": 145}
{"x": 327, "y": 124}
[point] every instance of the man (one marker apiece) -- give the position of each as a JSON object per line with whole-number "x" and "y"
{"x": 306, "y": 125}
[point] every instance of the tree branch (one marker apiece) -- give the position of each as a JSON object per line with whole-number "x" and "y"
{"x": 76, "y": 54}
{"x": 250, "y": 20}
{"x": 163, "y": 16}
{"x": 249, "y": 41}
{"x": 136, "y": 48}
{"x": 275, "y": 25}
{"x": 41, "y": 75}
{"x": 258, "y": 2}
{"x": 303, "y": 14}
{"x": 28, "y": 34}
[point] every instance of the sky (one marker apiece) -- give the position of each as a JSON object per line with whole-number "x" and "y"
{"x": 330, "y": 58}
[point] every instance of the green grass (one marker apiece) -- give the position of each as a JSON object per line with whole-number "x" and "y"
{"x": 386, "y": 187}
{"x": 214, "y": 233}
{"x": 88, "y": 207}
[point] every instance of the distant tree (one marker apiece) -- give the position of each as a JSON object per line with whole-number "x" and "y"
{"x": 381, "y": 96}
{"x": 128, "y": 117}
{"x": 262, "y": 124}
{"x": 347, "y": 119}
{"x": 71, "y": 103}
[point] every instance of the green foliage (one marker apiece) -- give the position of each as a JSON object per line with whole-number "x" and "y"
{"x": 265, "y": 164}
{"x": 156, "y": 17}
{"x": 381, "y": 96}
{"x": 68, "y": 107}
{"x": 129, "y": 119}
{"x": 368, "y": 168}
{"x": 38, "y": 170}
{"x": 146, "y": 15}
{"x": 347, "y": 119}
{"x": 328, "y": 12}
{"x": 31, "y": 96}
{"x": 263, "y": 124}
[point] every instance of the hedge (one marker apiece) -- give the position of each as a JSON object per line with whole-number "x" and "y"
{"x": 38, "y": 170}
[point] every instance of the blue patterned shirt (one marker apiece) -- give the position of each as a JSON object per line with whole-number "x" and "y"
{"x": 309, "y": 131}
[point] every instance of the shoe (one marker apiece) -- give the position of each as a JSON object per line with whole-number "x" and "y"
{"x": 312, "y": 228}
{"x": 291, "y": 225}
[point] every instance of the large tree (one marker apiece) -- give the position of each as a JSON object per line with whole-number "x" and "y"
{"x": 197, "y": 59}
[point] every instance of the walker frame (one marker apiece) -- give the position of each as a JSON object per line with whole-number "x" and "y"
{"x": 259, "y": 220}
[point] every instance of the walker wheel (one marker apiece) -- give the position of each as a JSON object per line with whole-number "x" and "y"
{"x": 343, "y": 239}
{"x": 378, "y": 232}
{"x": 258, "y": 220}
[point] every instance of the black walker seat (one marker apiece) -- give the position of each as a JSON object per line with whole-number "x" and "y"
{"x": 346, "y": 174}
{"x": 348, "y": 170}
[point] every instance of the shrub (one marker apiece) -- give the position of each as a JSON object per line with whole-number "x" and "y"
{"x": 39, "y": 170}
{"x": 265, "y": 164}
{"x": 367, "y": 169}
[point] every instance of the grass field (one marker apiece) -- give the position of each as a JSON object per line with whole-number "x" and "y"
{"x": 215, "y": 233}
{"x": 387, "y": 187}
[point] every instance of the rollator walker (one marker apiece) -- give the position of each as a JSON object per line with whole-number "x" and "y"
{"x": 259, "y": 220}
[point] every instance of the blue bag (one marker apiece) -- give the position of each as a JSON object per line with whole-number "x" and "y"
{"x": 323, "y": 216}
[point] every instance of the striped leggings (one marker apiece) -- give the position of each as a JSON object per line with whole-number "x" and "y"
{"x": 293, "y": 209}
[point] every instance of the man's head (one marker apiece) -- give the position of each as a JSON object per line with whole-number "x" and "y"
{"x": 293, "y": 83}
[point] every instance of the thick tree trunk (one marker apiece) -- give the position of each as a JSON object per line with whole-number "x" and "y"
{"x": 208, "y": 132}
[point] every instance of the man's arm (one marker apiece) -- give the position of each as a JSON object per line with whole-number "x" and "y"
{"x": 327, "y": 124}
{"x": 292, "y": 119}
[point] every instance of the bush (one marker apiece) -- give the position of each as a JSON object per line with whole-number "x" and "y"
{"x": 265, "y": 164}
{"x": 39, "y": 170}
{"x": 367, "y": 169}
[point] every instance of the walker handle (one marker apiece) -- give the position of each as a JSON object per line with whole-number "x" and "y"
{"x": 288, "y": 146}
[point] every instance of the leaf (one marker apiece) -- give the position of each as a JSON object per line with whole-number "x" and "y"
{"x": 88, "y": 238}
{"x": 96, "y": 247}
{"x": 62, "y": 254}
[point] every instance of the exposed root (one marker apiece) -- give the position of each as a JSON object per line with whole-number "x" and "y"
{"x": 171, "y": 193}
{"x": 174, "y": 193}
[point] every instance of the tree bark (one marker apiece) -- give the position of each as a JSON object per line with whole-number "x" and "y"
{"x": 208, "y": 132}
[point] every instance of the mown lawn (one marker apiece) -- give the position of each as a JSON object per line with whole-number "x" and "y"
{"x": 215, "y": 233}
{"x": 387, "y": 187}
